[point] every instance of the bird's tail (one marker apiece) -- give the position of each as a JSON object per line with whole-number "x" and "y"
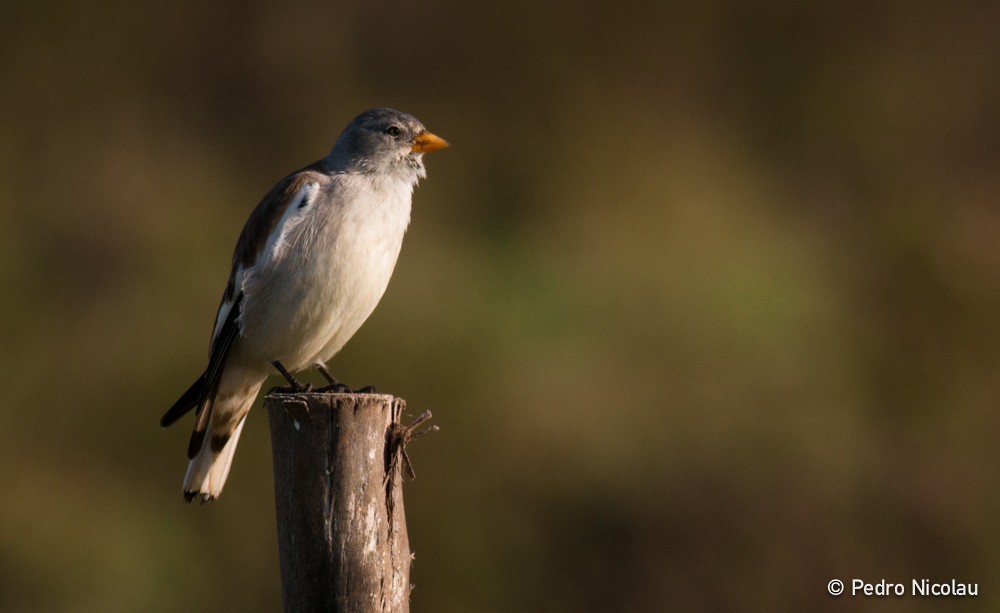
{"x": 216, "y": 433}
{"x": 208, "y": 469}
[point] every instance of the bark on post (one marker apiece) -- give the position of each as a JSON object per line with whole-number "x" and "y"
{"x": 338, "y": 494}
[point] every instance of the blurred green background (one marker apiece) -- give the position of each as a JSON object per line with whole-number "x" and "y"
{"x": 705, "y": 297}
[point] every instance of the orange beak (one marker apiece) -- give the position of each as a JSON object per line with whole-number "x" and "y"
{"x": 427, "y": 142}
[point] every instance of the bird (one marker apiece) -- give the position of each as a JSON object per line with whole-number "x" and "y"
{"x": 310, "y": 265}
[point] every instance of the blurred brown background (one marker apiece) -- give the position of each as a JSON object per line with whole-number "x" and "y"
{"x": 705, "y": 297}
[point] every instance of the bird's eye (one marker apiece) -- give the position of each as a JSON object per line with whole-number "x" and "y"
{"x": 393, "y": 131}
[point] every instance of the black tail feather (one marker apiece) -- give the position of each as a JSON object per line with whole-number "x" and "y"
{"x": 194, "y": 445}
{"x": 188, "y": 401}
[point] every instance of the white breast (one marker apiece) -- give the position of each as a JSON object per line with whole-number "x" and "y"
{"x": 328, "y": 269}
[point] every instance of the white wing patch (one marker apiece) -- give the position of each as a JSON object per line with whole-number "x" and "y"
{"x": 275, "y": 246}
{"x": 272, "y": 249}
{"x": 227, "y": 306}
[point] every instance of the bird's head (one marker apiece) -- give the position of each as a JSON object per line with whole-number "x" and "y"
{"x": 386, "y": 141}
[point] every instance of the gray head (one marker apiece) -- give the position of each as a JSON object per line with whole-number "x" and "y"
{"x": 384, "y": 141}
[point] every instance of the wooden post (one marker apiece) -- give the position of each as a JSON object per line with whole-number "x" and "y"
{"x": 342, "y": 541}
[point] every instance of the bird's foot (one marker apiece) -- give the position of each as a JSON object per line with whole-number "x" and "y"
{"x": 294, "y": 385}
{"x": 339, "y": 388}
{"x": 336, "y": 387}
{"x": 303, "y": 388}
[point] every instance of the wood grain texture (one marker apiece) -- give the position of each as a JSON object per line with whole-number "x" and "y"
{"x": 342, "y": 535}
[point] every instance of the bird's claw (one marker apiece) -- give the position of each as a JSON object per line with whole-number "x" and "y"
{"x": 340, "y": 388}
{"x": 301, "y": 388}
{"x": 334, "y": 388}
